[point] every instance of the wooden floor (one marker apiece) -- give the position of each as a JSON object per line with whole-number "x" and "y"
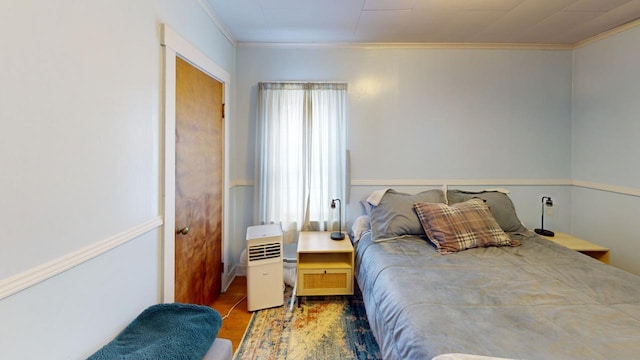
{"x": 234, "y": 326}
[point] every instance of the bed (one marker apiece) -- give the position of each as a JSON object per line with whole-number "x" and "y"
{"x": 528, "y": 299}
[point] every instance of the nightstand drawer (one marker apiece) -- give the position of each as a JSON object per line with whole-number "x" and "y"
{"x": 325, "y": 282}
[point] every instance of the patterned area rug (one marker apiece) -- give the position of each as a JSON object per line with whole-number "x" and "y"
{"x": 323, "y": 327}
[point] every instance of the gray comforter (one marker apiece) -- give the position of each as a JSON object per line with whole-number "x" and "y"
{"x": 536, "y": 301}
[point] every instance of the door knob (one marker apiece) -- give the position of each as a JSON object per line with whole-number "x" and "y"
{"x": 183, "y": 231}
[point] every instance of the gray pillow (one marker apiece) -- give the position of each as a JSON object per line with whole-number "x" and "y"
{"x": 500, "y": 205}
{"x": 395, "y": 216}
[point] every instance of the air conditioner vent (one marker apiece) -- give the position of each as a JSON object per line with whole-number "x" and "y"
{"x": 264, "y": 251}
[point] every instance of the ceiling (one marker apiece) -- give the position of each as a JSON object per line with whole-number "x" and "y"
{"x": 562, "y": 22}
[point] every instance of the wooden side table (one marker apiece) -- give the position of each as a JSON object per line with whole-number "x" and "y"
{"x": 595, "y": 251}
{"x": 325, "y": 266}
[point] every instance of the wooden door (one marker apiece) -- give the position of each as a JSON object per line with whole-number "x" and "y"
{"x": 199, "y": 185}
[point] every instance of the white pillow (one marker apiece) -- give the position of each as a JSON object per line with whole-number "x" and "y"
{"x": 361, "y": 225}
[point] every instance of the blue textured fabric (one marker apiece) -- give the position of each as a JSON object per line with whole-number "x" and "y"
{"x": 165, "y": 331}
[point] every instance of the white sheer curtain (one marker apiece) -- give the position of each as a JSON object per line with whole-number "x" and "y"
{"x": 301, "y": 155}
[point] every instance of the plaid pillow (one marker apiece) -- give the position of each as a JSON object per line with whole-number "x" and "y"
{"x": 464, "y": 225}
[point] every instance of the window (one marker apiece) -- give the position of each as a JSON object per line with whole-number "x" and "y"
{"x": 301, "y": 162}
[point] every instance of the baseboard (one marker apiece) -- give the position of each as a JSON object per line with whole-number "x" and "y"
{"x": 227, "y": 278}
{"x": 241, "y": 270}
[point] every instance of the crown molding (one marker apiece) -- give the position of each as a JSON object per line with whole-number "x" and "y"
{"x": 418, "y": 45}
{"x": 370, "y": 45}
{"x": 607, "y": 34}
{"x": 212, "y": 15}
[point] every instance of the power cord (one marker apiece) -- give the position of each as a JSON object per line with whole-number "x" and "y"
{"x": 233, "y": 307}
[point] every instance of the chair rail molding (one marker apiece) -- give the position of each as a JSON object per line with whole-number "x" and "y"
{"x": 608, "y": 188}
{"x": 460, "y": 182}
{"x": 16, "y": 283}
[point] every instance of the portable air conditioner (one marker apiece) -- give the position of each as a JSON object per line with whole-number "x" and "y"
{"x": 265, "y": 286}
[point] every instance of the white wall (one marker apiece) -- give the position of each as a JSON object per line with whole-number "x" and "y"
{"x": 606, "y": 129}
{"x": 81, "y": 151}
{"x": 443, "y": 114}
{"x": 81, "y": 156}
{"x": 78, "y": 101}
{"x": 417, "y": 113}
{"x": 72, "y": 315}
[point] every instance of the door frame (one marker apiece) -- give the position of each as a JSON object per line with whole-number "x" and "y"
{"x": 174, "y": 45}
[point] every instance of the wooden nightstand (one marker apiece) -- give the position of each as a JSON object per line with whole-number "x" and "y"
{"x": 583, "y": 246}
{"x": 325, "y": 266}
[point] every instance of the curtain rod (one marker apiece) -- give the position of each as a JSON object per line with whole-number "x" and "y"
{"x": 299, "y": 85}
{"x": 305, "y": 82}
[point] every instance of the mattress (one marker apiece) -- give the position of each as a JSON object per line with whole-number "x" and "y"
{"x": 535, "y": 301}
{"x": 221, "y": 349}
